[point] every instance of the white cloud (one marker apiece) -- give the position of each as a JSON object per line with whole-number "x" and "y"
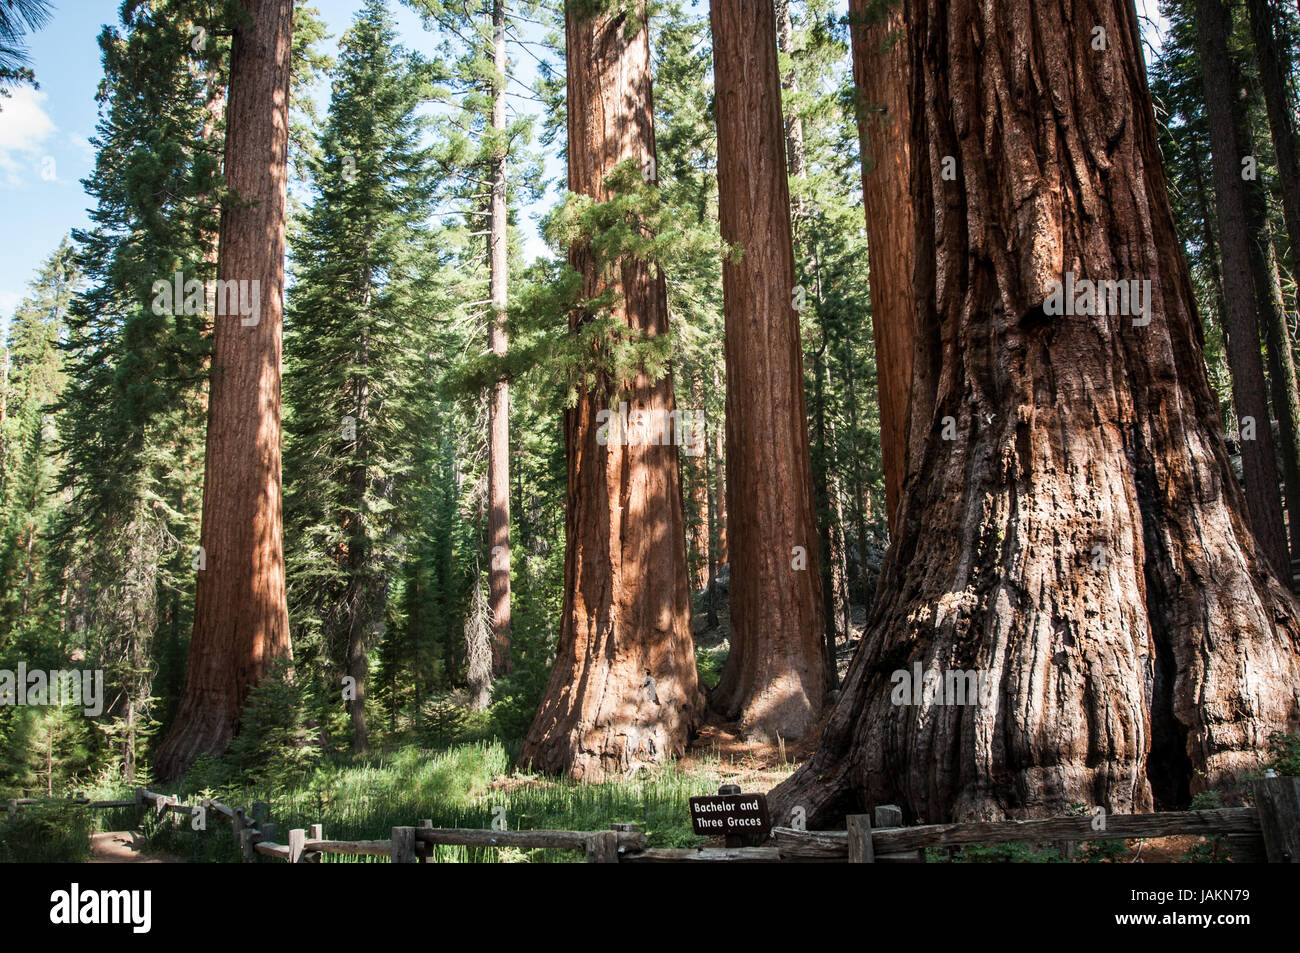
{"x": 24, "y": 128}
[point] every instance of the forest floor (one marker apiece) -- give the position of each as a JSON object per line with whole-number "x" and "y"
{"x": 125, "y": 847}
{"x": 719, "y": 744}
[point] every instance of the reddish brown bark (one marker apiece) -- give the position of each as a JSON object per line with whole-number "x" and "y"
{"x": 773, "y": 681}
{"x": 719, "y": 487}
{"x": 881, "y": 74}
{"x": 826, "y": 490}
{"x": 499, "y": 401}
{"x": 700, "y": 503}
{"x": 241, "y": 621}
{"x": 1080, "y": 541}
{"x": 623, "y": 691}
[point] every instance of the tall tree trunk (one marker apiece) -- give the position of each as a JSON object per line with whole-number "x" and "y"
{"x": 826, "y": 491}
{"x": 1281, "y": 373}
{"x": 1241, "y": 324}
{"x": 1280, "y": 107}
{"x": 882, "y": 73}
{"x": 1208, "y": 238}
{"x": 720, "y": 485}
{"x": 773, "y": 681}
{"x": 360, "y": 602}
{"x": 712, "y": 465}
{"x": 1080, "y": 542}
{"x": 624, "y": 690}
{"x": 499, "y": 405}
{"x": 1266, "y": 31}
{"x": 241, "y": 622}
{"x": 701, "y": 526}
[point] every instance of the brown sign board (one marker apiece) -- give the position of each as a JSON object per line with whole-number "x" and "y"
{"x": 730, "y": 814}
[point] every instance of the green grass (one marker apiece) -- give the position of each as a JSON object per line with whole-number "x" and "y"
{"x": 465, "y": 785}
{"x": 46, "y": 833}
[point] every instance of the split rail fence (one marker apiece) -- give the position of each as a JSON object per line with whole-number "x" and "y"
{"x": 1269, "y": 831}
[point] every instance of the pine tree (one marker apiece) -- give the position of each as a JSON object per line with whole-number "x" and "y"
{"x": 129, "y": 438}
{"x": 355, "y": 382}
{"x": 33, "y": 380}
{"x": 484, "y": 152}
{"x": 17, "y": 18}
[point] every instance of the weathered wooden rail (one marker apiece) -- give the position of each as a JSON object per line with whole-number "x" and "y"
{"x": 1268, "y": 831}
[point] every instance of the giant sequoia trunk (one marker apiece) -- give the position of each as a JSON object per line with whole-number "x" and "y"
{"x": 241, "y": 621}
{"x": 1080, "y": 542}
{"x": 624, "y": 690}
{"x": 499, "y": 402}
{"x": 880, "y": 72}
{"x": 1241, "y": 322}
{"x": 773, "y": 681}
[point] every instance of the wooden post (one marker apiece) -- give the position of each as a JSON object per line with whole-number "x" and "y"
{"x": 621, "y": 828}
{"x": 403, "y": 850}
{"x": 1247, "y": 849}
{"x": 1278, "y": 802}
{"x": 860, "y": 849}
{"x": 297, "y": 837}
{"x": 315, "y": 832}
{"x": 602, "y": 848}
{"x": 424, "y": 851}
{"x": 259, "y": 812}
{"x": 247, "y": 838}
{"x": 891, "y": 815}
{"x": 238, "y": 824}
{"x": 268, "y": 834}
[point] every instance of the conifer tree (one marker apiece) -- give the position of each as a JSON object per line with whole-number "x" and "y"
{"x": 357, "y": 371}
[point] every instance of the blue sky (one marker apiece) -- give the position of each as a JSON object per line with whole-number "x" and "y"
{"x": 44, "y": 134}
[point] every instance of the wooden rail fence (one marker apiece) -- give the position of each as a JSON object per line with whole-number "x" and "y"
{"x": 1269, "y": 831}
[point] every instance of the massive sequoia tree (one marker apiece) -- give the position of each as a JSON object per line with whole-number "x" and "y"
{"x": 624, "y": 690}
{"x": 1072, "y": 533}
{"x": 774, "y": 679}
{"x": 880, "y": 73}
{"x": 241, "y": 622}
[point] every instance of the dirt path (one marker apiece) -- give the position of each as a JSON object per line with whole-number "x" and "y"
{"x": 124, "y": 847}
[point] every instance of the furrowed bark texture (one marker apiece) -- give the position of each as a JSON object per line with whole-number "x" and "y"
{"x": 1081, "y": 543}
{"x": 774, "y": 680}
{"x": 881, "y": 74}
{"x": 241, "y": 621}
{"x": 624, "y": 690}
